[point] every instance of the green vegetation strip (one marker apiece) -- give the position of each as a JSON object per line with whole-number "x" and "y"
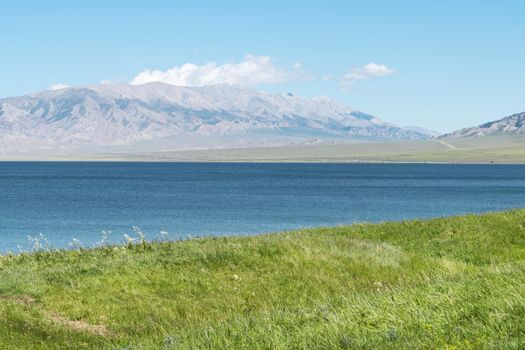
{"x": 452, "y": 283}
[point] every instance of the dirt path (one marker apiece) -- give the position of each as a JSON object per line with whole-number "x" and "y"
{"x": 446, "y": 144}
{"x": 57, "y": 318}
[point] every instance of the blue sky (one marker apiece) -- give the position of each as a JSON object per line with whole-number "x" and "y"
{"x": 440, "y": 64}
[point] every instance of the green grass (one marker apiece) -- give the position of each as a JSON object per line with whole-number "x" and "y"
{"x": 497, "y": 149}
{"x": 452, "y": 283}
{"x": 489, "y": 149}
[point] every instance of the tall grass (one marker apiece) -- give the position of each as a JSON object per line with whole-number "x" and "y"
{"x": 453, "y": 283}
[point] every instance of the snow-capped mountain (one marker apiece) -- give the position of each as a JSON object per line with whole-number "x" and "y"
{"x": 163, "y": 116}
{"x": 511, "y": 125}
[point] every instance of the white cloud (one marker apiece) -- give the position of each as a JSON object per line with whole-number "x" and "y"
{"x": 58, "y": 87}
{"x": 297, "y": 65}
{"x": 366, "y": 72}
{"x": 250, "y": 71}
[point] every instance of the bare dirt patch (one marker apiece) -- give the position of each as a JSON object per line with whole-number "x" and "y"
{"x": 55, "y": 317}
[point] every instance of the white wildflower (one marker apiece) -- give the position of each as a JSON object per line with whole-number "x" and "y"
{"x": 75, "y": 244}
{"x": 128, "y": 240}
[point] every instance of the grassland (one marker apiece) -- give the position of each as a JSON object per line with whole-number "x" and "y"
{"x": 499, "y": 149}
{"x": 451, "y": 283}
{"x": 489, "y": 149}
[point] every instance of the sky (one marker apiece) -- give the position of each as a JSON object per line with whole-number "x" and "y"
{"x": 442, "y": 65}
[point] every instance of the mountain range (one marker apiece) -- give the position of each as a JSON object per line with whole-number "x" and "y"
{"x": 511, "y": 125}
{"x": 158, "y": 116}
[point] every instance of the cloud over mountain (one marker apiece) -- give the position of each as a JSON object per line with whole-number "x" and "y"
{"x": 55, "y": 87}
{"x": 366, "y": 72}
{"x": 252, "y": 70}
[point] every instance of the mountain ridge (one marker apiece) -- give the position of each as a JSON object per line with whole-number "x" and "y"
{"x": 511, "y": 125}
{"x": 122, "y": 115}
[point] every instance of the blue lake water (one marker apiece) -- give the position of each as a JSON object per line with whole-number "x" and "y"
{"x": 63, "y": 200}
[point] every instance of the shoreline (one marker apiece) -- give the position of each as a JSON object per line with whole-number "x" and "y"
{"x": 243, "y": 161}
{"x": 409, "y": 284}
{"x": 234, "y": 236}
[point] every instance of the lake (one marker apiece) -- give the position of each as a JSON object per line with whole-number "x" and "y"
{"x": 66, "y": 200}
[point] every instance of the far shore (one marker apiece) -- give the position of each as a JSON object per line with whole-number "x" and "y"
{"x": 480, "y": 150}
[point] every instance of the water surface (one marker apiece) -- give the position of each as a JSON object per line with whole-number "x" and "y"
{"x": 64, "y": 200}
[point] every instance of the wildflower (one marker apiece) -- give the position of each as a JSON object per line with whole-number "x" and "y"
{"x": 170, "y": 341}
{"x": 138, "y": 231}
{"x": 104, "y": 240}
{"x": 392, "y": 334}
{"x": 39, "y": 243}
{"x": 75, "y": 244}
{"x": 163, "y": 236}
{"x": 378, "y": 285}
{"x": 128, "y": 240}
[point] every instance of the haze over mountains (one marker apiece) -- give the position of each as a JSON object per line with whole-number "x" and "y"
{"x": 157, "y": 116}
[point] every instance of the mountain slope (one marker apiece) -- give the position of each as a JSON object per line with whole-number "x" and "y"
{"x": 162, "y": 116}
{"x": 511, "y": 125}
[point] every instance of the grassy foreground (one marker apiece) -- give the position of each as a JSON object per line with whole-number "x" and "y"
{"x": 453, "y": 283}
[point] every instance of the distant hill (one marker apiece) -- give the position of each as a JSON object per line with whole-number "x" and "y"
{"x": 511, "y": 125}
{"x": 158, "y": 116}
{"x": 424, "y": 131}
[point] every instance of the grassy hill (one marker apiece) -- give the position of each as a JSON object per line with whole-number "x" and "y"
{"x": 488, "y": 149}
{"x": 451, "y": 283}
